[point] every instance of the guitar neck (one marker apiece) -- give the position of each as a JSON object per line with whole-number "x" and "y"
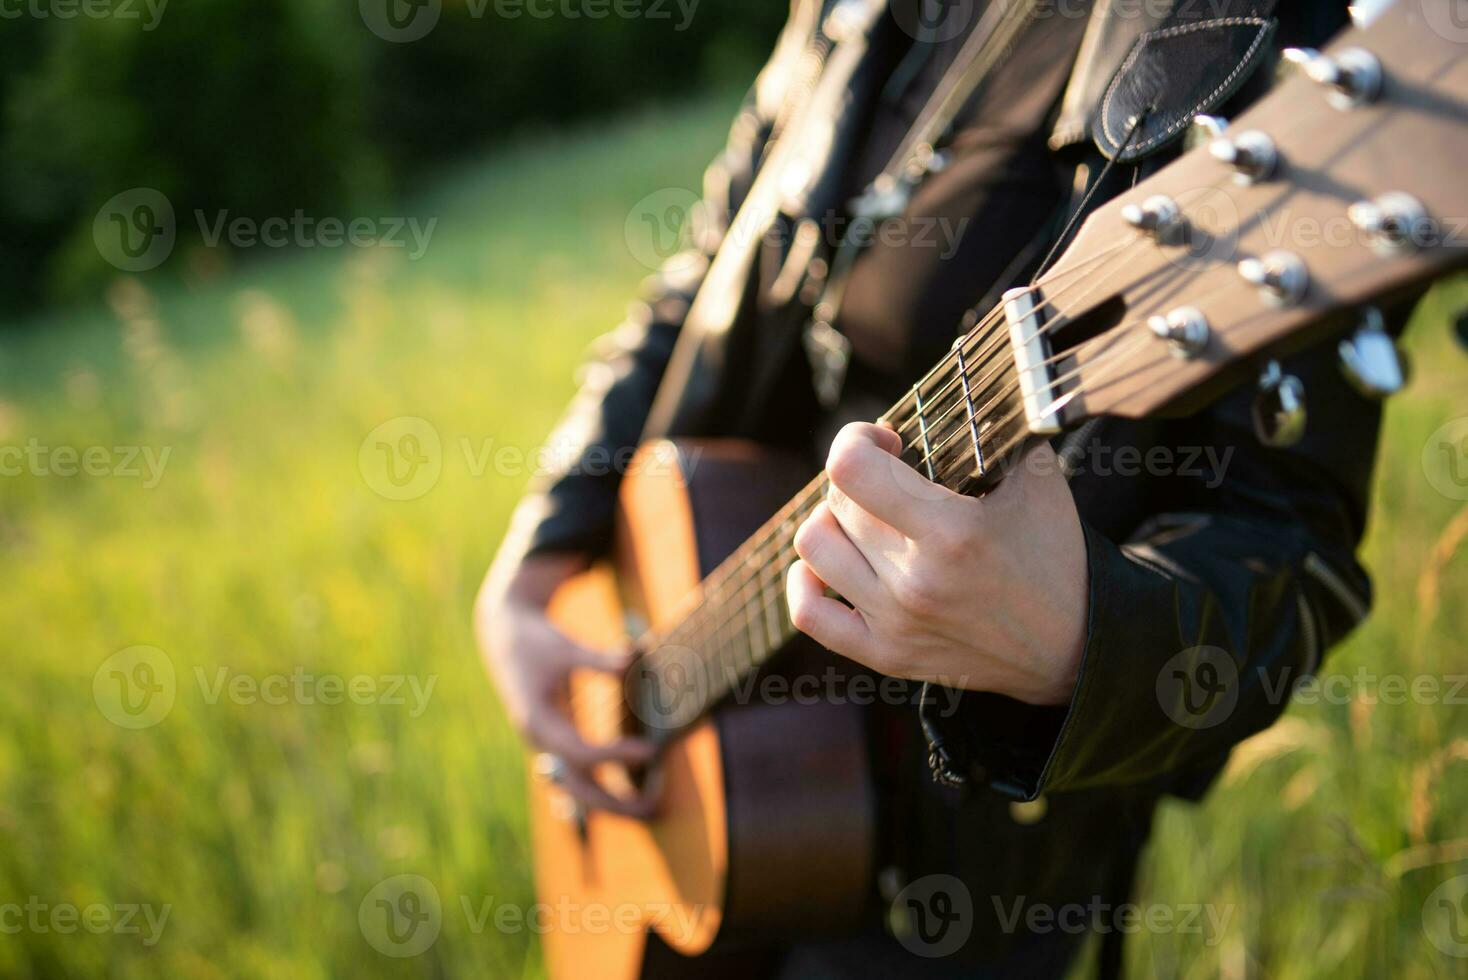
{"x": 958, "y": 424}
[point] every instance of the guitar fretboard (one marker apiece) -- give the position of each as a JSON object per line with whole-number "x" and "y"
{"x": 958, "y": 424}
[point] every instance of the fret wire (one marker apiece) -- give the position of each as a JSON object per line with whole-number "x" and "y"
{"x": 772, "y": 622}
{"x": 984, "y": 338}
{"x": 987, "y": 347}
{"x": 917, "y": 396}
{"x": 987, "y": 382}
{"x": 959, "y": 428}
{"x": 720, "y": 583}
{"x": 969, "y": 401}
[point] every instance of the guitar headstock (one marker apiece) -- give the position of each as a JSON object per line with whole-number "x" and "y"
{"x": 1343, "y": 186}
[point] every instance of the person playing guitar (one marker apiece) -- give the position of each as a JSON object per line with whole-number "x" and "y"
{"x": 1085, "y": 637}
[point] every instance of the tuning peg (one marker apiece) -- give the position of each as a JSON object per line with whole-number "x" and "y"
{"x": 1371, "y": 360}
{"x": 1252, "y": 154}
{"x": 1185, "y": 329}
{"x": 1393, "y": 222}
{"x": 1203, "y": 130}
{"x": 1281, "y": 276}
{"x": 1279, "y": 408}
{"x": 1352, "y": 76}
{"x": 1294, "y": 61}
{"x": 1158, "y": 216}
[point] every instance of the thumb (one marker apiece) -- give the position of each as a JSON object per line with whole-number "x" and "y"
{"x": 606, "y": 661}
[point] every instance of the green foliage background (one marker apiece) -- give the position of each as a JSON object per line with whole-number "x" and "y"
{"x": 264, "y": 107}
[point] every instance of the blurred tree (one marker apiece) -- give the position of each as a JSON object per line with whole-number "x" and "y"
{"x": 263, "y": 107}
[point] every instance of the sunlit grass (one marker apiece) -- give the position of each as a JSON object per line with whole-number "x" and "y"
{"x": 263, "y": 550}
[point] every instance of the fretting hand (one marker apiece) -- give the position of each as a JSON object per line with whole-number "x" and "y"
{"x": 981, "y": 593}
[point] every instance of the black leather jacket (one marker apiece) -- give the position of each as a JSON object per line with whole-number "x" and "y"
{"x": 1217, "y": 580}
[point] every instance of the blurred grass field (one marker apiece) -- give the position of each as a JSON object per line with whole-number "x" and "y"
{"x": 263, "y": 551}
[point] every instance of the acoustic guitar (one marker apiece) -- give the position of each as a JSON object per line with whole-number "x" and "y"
{"x": 1340, "y": 188}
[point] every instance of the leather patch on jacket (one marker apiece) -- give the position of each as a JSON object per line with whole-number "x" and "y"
{"x": 1173, "y": 74}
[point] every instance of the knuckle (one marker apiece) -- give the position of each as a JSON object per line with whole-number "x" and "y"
{"x": 915, "y": 593}
{"x": 943, "y": 544}
{"x": 807, "y": 539}
{"x": 843, "y": 462}
{"x": 801, "y": 615}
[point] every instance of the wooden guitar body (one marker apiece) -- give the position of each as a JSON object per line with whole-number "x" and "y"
{"x": 766, "y": 820}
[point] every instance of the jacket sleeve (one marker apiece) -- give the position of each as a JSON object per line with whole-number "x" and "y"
{"x": 1207, "y": 614}
{"x": 570, "y": 507}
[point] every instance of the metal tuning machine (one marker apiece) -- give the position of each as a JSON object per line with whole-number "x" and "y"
{"x": 1351, "y": 77}
{"x": 1158, "y": 216}
{"x": 1252, "y": 154}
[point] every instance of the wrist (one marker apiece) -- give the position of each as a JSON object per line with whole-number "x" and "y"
{"x": 524, "y": 584}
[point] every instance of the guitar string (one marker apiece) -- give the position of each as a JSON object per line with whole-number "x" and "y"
{"x": 980, "y": 340}
{"x": 713, "y": 638}
{"x": 718, "y": 584}
{"x": 715, "y": 657}
{"x": 1049, "y": 301}
{"x": 984, "y": 333}
{"x": 755, "y": 558}
{"x": 1056, "y": 404}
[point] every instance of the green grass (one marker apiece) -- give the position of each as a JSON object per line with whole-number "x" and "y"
{"x": 263, "y": 550}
